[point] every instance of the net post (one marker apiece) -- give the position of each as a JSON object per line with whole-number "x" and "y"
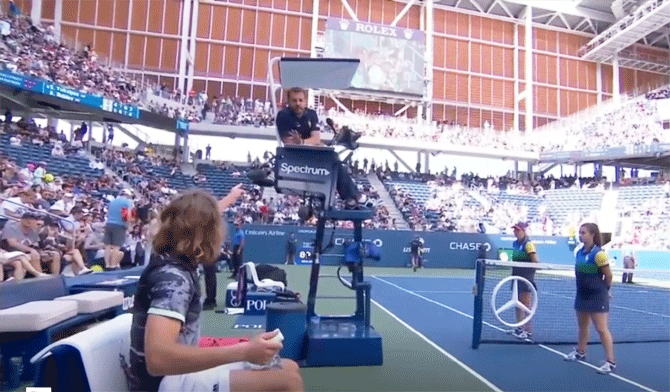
{"x": 480, "y": 266}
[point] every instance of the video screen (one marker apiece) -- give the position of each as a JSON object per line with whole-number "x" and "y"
{"x": 392, "y": 59}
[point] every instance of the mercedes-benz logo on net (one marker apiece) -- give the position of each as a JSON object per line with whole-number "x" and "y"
{"x": 316, "y": 171}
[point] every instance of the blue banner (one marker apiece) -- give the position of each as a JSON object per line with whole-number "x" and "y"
{"x": 67, "y": 93}
{"x": 267, "y": 244}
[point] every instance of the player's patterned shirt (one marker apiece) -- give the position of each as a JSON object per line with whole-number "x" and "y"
{"x": 167, "y": 288}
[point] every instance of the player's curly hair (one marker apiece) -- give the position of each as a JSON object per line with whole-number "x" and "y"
{"x": 191, "y": 229}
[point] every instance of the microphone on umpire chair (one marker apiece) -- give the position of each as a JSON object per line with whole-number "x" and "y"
{"x": 344, "y": 137}
{"x": 261, "y": 177}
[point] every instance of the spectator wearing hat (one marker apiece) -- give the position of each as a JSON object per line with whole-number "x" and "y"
{"x": 118, "y": 216}
{"x": 22, "y": 236}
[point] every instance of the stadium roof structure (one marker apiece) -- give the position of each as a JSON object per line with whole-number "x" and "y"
{"x": 615, "y": 25}
{"x": 24, "y": 102}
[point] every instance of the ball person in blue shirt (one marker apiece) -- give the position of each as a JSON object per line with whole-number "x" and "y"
{"x": 524, "y": 251}
{"x": 594, "y": 279}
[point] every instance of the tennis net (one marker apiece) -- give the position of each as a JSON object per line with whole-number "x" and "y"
{"x": 639, "y": 311}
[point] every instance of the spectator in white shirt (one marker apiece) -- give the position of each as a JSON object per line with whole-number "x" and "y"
{"x": 15, "y": 207}
{"x": 64, "y": 206}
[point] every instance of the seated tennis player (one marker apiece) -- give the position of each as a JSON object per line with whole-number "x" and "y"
{"x": 594, "y": 279}
{"x": 524, "y": 252}
{"x": 164, "y": 353}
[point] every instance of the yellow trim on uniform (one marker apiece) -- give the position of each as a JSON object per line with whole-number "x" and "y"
{"x": 602, "y": 259}
{"x": 530, "y": 248}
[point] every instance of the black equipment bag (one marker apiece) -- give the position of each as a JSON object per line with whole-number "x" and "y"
{"x": 265, "y": 271}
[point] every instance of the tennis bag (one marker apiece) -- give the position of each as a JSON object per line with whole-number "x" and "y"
{"x": 271, "y": 272}
{"x": 265, "y": 271}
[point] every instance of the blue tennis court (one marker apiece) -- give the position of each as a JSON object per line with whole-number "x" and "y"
{"x": 441, "y": 310}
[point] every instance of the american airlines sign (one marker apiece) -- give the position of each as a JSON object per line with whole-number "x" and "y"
{"x": 371, "y": 28}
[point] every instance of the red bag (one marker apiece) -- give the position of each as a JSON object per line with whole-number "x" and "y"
{"x": 208, "y": 341}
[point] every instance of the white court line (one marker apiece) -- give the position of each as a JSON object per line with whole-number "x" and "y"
{"x": 596, "y": 367}
{"x": 438, "y": 348}
{"x": 612, "y": 306}
{"x": 423, "y": 277}
{"x": 500, "y": 329}
{"x": 443, "y": 292}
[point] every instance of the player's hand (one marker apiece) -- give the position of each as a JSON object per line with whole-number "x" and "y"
{"x": 295, "y": 137}
{"x": 260, "y": 350}
{"x": 236, "y": 192}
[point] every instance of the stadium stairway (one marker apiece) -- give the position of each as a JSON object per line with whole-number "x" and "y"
{"x": 387, "y": 201}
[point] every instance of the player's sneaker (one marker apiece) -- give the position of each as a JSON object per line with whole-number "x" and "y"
{"x": 606, "y": 368}
{"x": 520, "y": 333}
{"x": 575, "y": 356}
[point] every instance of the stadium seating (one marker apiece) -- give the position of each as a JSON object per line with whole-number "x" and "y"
{"x": 59, "y": 166}
{"x": 560, "y": 202}
{"x": 636, "y": 195}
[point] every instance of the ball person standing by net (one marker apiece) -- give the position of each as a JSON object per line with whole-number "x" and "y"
{"x": 594, "y": 279}
{"x": 524, "y": 251}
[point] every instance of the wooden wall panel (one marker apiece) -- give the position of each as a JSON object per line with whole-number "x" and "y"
{"x": 169, "y": 54}
{"x": 219, "y": 29}
{"x": 246, "y": 63}
{"x": 487, "y": 59}
{"x": 153, "y": 53}
{"x": 233, "y": 24}
{"x": 156, "y": 9}
{"x": 263, "y": 28}
{"x": 261, "y": 56}
{"x": 139, "y": 15}
{"x": 85, "y": 36}
{"x": 105, "y": 13}
{"x": 475, "y": 58}
{"x": 102, "y": 44}
{"x": 136, "y": 50}
{"x": 248, "y": 26}
{"x": 278, "y": 30}
{"x": 451, "y": 86}
{"x": 475, "y": 89}
{"x": 439, "y": 85}
{"x": 118, "y": 48}
{"x": 173, "y": 16}
{"x": 201, "y": 49}
{"x": 70, "y": 10}
{"x": 451, "y": 53}
{"x": 231, "y": 57}
{"x": 48, "y": 9}
{"x": 87, "y": 12}
{"x": 121, "y": 13}
{"x": 204, "y": 15}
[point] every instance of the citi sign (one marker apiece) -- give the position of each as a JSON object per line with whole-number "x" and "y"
{"x": 469, "y": 246}
{"x": 315, "y": 171}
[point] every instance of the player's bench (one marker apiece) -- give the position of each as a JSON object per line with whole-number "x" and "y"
{"x": 36, "y": 312}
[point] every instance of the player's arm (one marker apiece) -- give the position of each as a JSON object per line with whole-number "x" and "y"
{"x": 166, "y": 356}
{"x": 532, "y": 252}
{"x": 603, "y": 264}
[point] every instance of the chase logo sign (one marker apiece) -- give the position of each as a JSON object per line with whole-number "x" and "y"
{"x": 287, "y": 168}
{"x": 470, "y": 246}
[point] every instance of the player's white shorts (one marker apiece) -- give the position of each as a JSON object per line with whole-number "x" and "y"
{"x": 214, "y": 379}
